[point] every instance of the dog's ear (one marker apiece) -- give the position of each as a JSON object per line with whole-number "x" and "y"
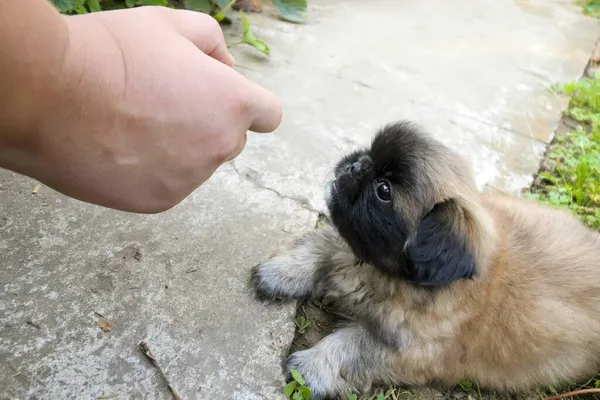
{"x": 439, "y": 254}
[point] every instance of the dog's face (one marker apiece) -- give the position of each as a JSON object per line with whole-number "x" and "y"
{"x": 400, "y": 205}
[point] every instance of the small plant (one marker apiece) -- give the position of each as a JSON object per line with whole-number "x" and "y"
{"x": 471, "y": 389}
{"x": 85, "y": 6}
{"x": 302, "y": 323}
{"x": 352, "y": 396}
{"x": 573, "y": 181}
{"x": 590, "y": 7}
{"x": 295, "y": 390}
{"x": 466, "y": 385}
{"x": 584, "y": 105}
{"x": 289, "y": 10}
{"x": 221, "y": 10}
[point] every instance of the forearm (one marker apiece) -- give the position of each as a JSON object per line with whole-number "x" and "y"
{"x": 32, "y": 50}
{"x": 130, "y": 109}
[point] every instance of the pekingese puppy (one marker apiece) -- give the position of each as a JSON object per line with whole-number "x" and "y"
{"x": 443, "y": 283}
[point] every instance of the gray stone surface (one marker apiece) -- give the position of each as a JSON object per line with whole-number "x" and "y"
{"x": 473, "y": 72}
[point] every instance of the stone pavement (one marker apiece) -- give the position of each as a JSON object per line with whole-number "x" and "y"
{"x": 475, "y": 73}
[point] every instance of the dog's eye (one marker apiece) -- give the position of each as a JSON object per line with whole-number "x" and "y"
{"x": 383, "y": 191}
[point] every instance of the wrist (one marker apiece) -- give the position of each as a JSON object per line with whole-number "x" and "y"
{"x": 30, "y": 64}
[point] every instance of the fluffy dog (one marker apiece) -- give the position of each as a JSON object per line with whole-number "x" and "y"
{"x": 443, "y": 283}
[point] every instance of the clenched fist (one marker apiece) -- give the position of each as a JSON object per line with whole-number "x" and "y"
{"x": 132, "y": 109}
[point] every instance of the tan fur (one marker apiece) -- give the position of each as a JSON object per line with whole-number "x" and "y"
{"x": 532, "y": 320}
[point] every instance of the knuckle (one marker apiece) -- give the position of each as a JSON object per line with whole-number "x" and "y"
{"x": 228, "y": 150}
{"x": 157, "y": 11}
{"x": 240, "y": 104}
{"x": 212, "y": 25}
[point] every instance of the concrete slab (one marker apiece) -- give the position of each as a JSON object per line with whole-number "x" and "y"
{"x": 177, "y": 280}
{"x": 475, "y": 73}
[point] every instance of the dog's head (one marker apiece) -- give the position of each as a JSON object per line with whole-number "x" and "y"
{"x": 409, "y": 206}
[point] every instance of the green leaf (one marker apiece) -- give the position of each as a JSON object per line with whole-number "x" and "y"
{"x": 292, "y": 10}
{"x": 113, "y": 4}
{"x": 93, "y": 5}
{"x": 204, "y": 6}
{"x": 222, "y": 3}
{"x": 297, "y": 377}
{"x": 249, "y": 36}
{"x": 305, "y": 392}
{"x": 63, "y": 5}
{"x": 225, "y": 9}
{"x": 548, "y": 177}
{"x": 289, "y": 388}
{"x": 68, "y": 6}
{"x": 129, "y": 3}
{"x": 380, "y": 397}
{"x": 466, "y": 385}
{"x": 155, "y": 3}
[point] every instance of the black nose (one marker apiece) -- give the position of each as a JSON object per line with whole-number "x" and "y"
{"x": 353, "y": 168}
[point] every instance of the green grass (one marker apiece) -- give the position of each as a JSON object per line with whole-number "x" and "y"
{"x": 573, "y": 178}
{"x": 590, "y": 7}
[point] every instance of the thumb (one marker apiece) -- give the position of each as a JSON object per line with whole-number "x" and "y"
{"x": 203, "y": 31}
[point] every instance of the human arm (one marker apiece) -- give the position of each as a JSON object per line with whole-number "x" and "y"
{"x": 130, "y": 109}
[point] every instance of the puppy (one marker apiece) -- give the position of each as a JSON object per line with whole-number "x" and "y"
{"x": 442, "y": 283}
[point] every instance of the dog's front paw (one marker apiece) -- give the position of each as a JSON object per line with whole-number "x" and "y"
{"x": 265, "y": 282}
{"x": 283, "y": 277}
{"x": 320, "y": 374}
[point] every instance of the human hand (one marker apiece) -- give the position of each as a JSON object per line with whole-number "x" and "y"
{"x": 146, "y": 108}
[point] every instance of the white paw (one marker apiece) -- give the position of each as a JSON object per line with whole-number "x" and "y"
{"x": 287, "y": 276}
{"x": 267, "y": 283}
{"x": 319, "y": 374}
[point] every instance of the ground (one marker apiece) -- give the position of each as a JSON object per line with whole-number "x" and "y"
{"x": 476, "y": 74}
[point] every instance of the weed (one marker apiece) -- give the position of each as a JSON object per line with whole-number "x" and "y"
{"x": 590, "y": 7}
{"x": 221, "y": 10}
{"x": 248, "y": 37}
{"x": 295, "y": 390}
{"x": 302, "y": 323}
{"x": 584, "y": 105}
{"x": 573, "y": 179}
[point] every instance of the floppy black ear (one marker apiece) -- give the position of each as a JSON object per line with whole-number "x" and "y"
{"x": 440, "y": 255}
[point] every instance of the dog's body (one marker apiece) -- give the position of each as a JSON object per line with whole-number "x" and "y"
{"x": 443, "y": 283}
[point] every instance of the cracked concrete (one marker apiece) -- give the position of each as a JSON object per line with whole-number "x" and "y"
{"x": 474, "y": 73}
{"x": 253, "y": 177}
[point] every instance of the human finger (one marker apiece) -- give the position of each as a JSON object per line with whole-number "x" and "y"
{"x": 204, "y": 32}
{"x": 265, "y": 109}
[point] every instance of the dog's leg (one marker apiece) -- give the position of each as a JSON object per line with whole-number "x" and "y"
{"x": 296, "y": 271}
{"x": 350, "y": 359}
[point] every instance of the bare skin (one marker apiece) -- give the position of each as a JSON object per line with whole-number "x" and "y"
{"x": 130, "y": 109}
